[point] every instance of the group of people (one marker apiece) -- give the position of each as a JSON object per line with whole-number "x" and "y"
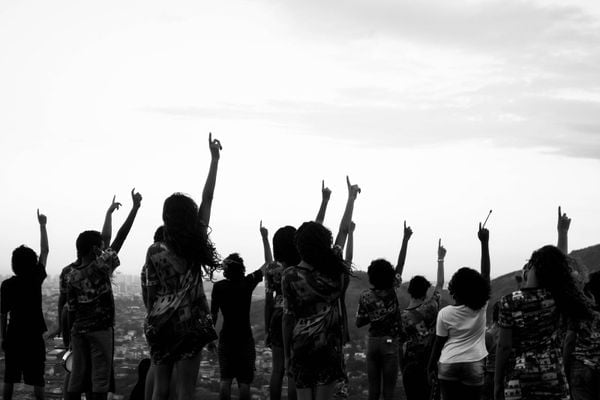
{"x": 543, "y": 340}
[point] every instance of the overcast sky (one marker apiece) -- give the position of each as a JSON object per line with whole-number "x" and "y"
{"x": 439, "y": 110}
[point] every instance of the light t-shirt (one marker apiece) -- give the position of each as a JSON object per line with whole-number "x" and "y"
{"x": 465, "y": 330}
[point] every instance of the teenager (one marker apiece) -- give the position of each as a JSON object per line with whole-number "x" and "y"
{"x": 459, "y": 348}
{"x": 92, "y": 309}
{"x": 233, "y": 297}
{"x": 178, "y": 322}
{"x": 22, "y": 321}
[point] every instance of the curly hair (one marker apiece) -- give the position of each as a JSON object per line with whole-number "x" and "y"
{"x": 313, "y": 242}
{"x": 186, "y": 236}
{"x": 381, "y": 274}
{"x": 284, "y": 247}
{"x": 554, "y": 273}
{"x": 469, "y": 288}
{"x": 23, "y": 261}
{"x": 418, "y": 286}
{"x": 233, "y": 267}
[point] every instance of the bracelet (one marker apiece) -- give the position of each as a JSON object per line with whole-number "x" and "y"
{"x": 440, "y": 260}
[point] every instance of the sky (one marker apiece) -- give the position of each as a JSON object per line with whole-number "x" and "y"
{"x": 439, "y": 110}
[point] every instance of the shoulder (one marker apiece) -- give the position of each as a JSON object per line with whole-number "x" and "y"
{"x": 7, "y": 282}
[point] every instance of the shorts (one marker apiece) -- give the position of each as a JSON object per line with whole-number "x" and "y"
{"x": 25, "y": 358}
{"x": 92, "y": 357}
{"x": 467, "y": 373}
{"x": 236, "y": 359}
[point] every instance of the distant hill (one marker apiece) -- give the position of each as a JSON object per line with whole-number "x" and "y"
{"x": 502, "y": 285}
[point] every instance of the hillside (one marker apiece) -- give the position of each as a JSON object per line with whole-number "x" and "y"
{"x": 502, "y": 285}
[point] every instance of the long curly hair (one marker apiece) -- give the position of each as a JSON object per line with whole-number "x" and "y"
{"x": 468, "y": 287}
{"x": 381, "y": 274}
{"x": 186, "y": 235}
{"x": 553, "y": 273}
{"x": 313, "y": 242}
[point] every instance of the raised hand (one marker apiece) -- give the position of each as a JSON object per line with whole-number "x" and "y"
{"x": 214, "y": 146}
{"x": 353, "y": 190}
{"x": 483, "y": 234}
{"x": 441, "y": 250}
{"x": 114, "y": 205}
{"x": 263, "y": 231}
{"x": 325, "y": 191}
{"x": 564, "y": 222}
{"x": 41, "y": 218}
{"x": 407, "y": 231}
{"x": 136, "y": 198}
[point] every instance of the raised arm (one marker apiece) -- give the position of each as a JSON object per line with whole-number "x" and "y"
{"x": 562, "y": 226}
{"x": 211, "y": 180}
{"x": 484, "y": 237}
{"x": 136, "y": 199}
{"x": 403, "y": 249}
{"x": 325, "y": 195}
{"x": 440, "y": 269}
{"x": 353, "y": 191}
{"x": 264, "y": 234}
{"x": 107, "y": 227}
{"x": 350, "y": 244}
{"x": 44, "y": 248}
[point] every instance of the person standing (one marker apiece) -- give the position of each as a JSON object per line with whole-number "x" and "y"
{"x": 22, "y": 320}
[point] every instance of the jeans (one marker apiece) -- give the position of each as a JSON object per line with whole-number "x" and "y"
{"x": 414, "y": 378}
{"x": 462, "y": 381}
{"x": 92, "y": 356}
{"x": 585, "y": 382}
{"x": 382, "y": 366}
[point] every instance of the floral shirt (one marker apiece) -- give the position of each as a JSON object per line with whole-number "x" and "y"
{"x": 418, "y": 325}
{"x": 380, "y": 309}
{"x": 587, "y": 344}
{"x": 89, "y": 293}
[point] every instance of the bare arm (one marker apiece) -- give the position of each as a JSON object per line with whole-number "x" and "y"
{"x": 503, "y": 349}
{"x": 403, "y": 249}
{"x": 568, "y": 349}
{"x": 440, "y": 268}
{"x": 264, "y": 234}
{"x": 107, "y": 227}
{"x": 484, "y": 237}
{"x": 44, "y": 248}
{"x": 438, "y": 345}
{"x": 353, "y": 191}
{"x": 350, "y": 244}
{"x": 562, "y": 226}
{"x": 126, "y": 227}
{"x": 325, "y": 195}
{"x": 288, "y": 328}
{"x": 214, "y": 306}
{"x": 211, "y": 180}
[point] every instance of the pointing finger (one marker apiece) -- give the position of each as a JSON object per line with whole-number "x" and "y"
{"x": 559, "y": 212}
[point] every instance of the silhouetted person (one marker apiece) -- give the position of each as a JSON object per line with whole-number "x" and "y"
{"x": 22, "y": 321}
{"x": 137, "y": 393}
{"x": 233, "y": 296}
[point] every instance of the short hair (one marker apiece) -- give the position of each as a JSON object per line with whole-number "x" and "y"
{"x": 284, "y": 248}
{"x": 468, "y": 287}
{"x": 418, "y": 286}
{"x": 86, "y": 241}
{"x": 23, "y": 261}
{"x": 233, "y": 267}
{"x": 381, "y": 274}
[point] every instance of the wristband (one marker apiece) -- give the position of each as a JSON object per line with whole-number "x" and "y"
{"x": 440, "y": 260}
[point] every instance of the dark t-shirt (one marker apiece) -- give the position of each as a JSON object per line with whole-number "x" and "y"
{"x": 233, "y": 298}
{"x": 21, "y": 299}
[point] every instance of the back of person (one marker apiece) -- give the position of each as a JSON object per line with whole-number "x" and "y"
{"x": 22, "y": 299}
{"x": 234, "y": 298}
{"x": 465, "y": 329}
{"x": 380, "y": 308}
{"x": 418, "y": 327}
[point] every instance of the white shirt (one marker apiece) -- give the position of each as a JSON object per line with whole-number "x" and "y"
{"x": 465, "y": 330}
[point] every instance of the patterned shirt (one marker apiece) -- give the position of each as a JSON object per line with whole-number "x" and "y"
{"x": 381, "y": 310}
{"x": 418, "y": 325}
{"x": 587, "y": 344}
{"x": 273, "y": 273}
{"x": 89, "y": 293}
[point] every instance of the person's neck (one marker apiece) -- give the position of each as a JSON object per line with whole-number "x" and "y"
{"x": 415, "y": 302}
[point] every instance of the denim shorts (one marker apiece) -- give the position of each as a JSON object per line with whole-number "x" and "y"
{"x": 467, "y": 373}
